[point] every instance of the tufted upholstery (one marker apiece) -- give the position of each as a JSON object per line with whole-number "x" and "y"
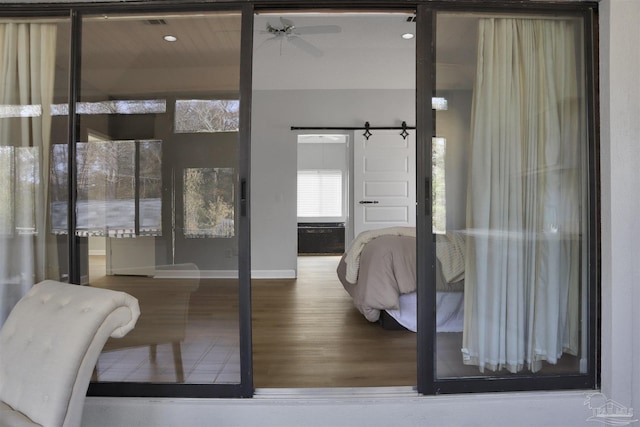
{"x": 49, "y": 346}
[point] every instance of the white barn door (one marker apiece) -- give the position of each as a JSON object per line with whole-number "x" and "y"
{"x": 384, "y": 181}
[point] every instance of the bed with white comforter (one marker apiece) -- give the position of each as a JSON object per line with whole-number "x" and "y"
{"x": 379, "y": 272}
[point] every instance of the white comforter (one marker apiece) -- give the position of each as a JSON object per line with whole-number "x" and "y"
{"x": 450, "y": 250}
{"x": 352, "y": 258}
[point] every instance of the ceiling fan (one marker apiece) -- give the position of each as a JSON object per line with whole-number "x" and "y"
{"x": 287, "y": 31}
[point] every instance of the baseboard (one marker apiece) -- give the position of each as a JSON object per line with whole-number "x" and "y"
{"x": 223, "y": 274}
{"x": 273, "y": 274}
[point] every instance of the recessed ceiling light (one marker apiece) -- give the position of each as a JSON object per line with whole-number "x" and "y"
{"x": 408, "y": 36}
{"x": 170, "y": 38}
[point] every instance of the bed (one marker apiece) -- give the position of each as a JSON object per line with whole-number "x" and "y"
{"x": 379, "y": 273}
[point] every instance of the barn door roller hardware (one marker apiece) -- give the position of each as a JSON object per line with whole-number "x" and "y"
{"x": 367, "y": 129}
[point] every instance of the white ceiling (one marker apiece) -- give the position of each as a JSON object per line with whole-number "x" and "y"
{"x": 368, "y": 52}
{"x": 127, "y": 56}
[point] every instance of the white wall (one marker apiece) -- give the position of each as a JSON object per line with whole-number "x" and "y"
{"x": 620, "y": 157}
{"x": 545, "y": 409}
{"x": 274, "y": 157}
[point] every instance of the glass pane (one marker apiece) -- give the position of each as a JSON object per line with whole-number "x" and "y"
{"x": 511, "y": 272}
{"x": 30, "y": 249}
{"x": 106, "y": 188}
{"x": 157, "y": 161}
{"x": 208, "y": 202}
{"x": 207, "y": 116}
{"x": 150, "y": 188}
{"x": 438, "y": 170}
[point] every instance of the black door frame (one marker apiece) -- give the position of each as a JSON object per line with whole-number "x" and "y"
{"x": 426, "y": 11}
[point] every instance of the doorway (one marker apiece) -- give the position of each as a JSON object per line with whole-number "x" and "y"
{"x": 322, "y": 193}
{"x": 330, "y": 73}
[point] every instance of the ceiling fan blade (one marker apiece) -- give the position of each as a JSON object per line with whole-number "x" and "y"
{"x": 286, "y": 22}
{"x": 306, "y": 46}
{"x": 318, "y": 29}
{"x": 268, "y": 41}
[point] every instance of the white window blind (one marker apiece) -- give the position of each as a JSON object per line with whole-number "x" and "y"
{"x": 319, "y": 193}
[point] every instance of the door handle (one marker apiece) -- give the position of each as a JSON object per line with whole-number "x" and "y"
{"x": 368, "y": 202}
{"x": 243, "y": 197}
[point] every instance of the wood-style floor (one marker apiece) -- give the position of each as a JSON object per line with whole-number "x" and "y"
{"x": 307, "y": 333}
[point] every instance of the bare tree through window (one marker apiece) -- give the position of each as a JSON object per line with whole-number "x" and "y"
{"x": 209, "y": 202}
{"x": 207, "y": 116}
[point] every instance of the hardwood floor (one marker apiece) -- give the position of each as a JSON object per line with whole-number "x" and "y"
{"x": 307, "y": 333}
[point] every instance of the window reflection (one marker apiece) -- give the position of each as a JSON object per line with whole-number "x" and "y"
{"x": 206, "y": 116}
{"x": 439, "y": 146}
{"x": 208, "y": 202}
{"x": 146, "y": 106}
{"x": 19, "y": 168}
{"x": 119, "y": 188}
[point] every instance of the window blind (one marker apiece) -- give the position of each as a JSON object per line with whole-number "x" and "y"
{"x": 319, "y": 193}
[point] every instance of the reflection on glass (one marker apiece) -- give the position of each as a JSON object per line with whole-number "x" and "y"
{"x": 516, "y": 217}
{"x": 209, "y": 202}
{"x": 150, "y": 188}
{"x": 206, "y": 116}
{"x": 104, "y": 107}
{"x": 439, "y": 210}
{"x": 19, "y": 168}
{"x": 119, "y": 185}
{"x": 59, "y": 188}
{"x": 27, "y": 182}
{"x": 28, "y": 252}
{"x": 7, "y": 191}
{"x": 106, "y": 188}
{"x": 8, "y": 111}
{"x": 139, "y": 160}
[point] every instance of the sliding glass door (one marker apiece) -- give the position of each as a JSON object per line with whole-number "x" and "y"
{"x": 124, "y": 164}
{"x": 510, "y": 203}
{"x": 158, "y": 178}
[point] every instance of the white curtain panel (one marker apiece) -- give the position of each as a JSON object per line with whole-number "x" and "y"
{"x": 524, "y": 192}
{"x": 27, "y": 66}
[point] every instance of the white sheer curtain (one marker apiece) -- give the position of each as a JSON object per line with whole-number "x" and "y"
{"x": 26, "y": 80}
{"x": 524, "y": 192}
